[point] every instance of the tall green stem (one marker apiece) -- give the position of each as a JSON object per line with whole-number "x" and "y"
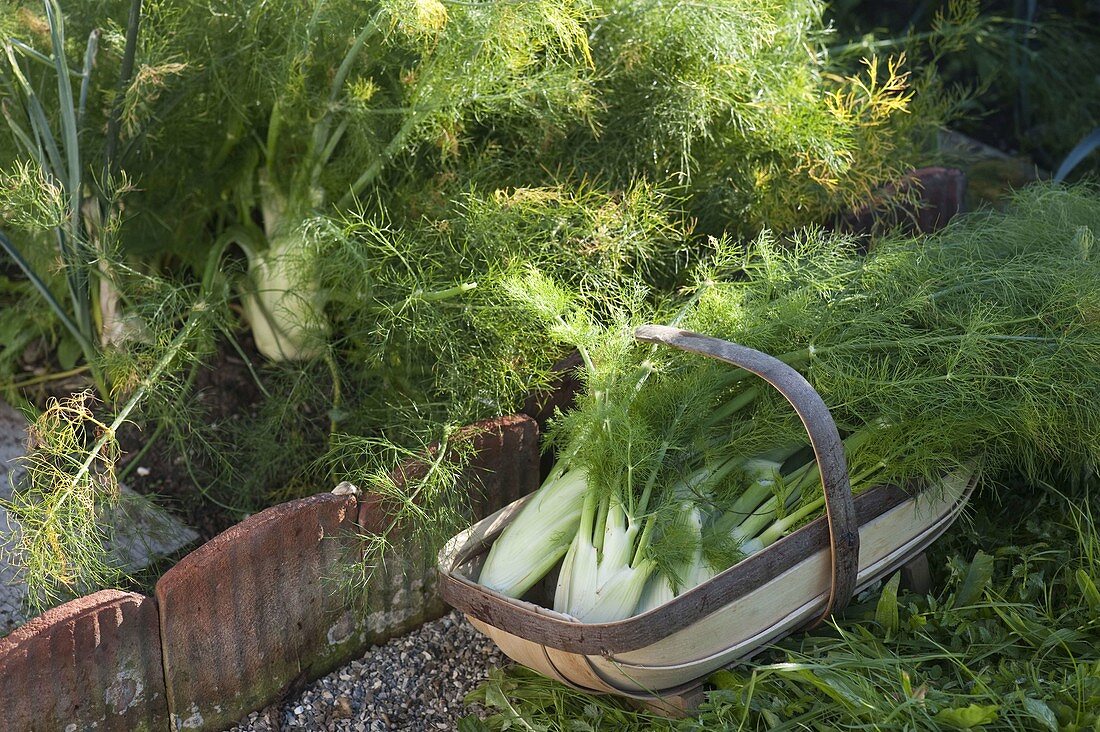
{"x": 600, "y": 527}
{"x": 371, "y": 172}
{"x": 780, "y": 528}
{"x": 125, "y": 74}
{"x": 138, "y": 394}
{"x": 588, "y": 515}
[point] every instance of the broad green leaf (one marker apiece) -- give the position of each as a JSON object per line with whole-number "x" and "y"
{"x": 68, "y": 353}
{"x": 494, "y": 697}
{"x": 725, "y": 680}
{"x": 969, "y": 717}
{"x": 471, "y": 723}
{"x": 1088, "y": 589}
{"x": 977, "y": 577}
{"x": 1040, "y": 711}
{"x": 886, "y": 612}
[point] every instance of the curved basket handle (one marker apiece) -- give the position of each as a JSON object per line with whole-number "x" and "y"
{"x": 824, "y": 438}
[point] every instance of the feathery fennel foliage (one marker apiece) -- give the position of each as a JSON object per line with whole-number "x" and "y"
{"x": 390, "y": 108}
{"x": 62, "y": 504}
{"x": 324, "y": 97}
{"x": 136, "y": 331}
{"x": 69, "y": 482}
{"x": 60, "y": 540}
{"x": 738, "y": 106}
{"x": 423, "y": 492}
{"x": 341, "y": 105}
{"x": 1030, "y": 67}
{"x": 971, "y": 350}
{"x": 428, "y": 337}
{"x": 338, "y": 104}
{"x": 423, "y": 317}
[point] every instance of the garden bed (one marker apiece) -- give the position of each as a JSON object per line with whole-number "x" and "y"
{"x": 254, "y": 615}
{"x": 255, "y": 257}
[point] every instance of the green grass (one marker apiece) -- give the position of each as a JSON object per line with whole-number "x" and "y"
{"x": 1008, "y": 639}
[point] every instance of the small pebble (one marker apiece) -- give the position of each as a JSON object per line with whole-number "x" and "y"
{"x": 341, "y": 709}
{"x": 414, "y": 683}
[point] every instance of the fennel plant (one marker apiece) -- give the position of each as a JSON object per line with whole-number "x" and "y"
{"x": 324, "y": 97}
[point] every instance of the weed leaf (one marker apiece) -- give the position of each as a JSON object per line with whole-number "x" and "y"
{"x": 471, "y": 723}
{"x": 68, "y": 353}
{"x": 1088, "y": 589}
{"x": 886, "y": 613}
{"x": 1040, "y": 711}
{"x": 977, "y": 577}
{"x": 968, "y": 717}
{"x": 726, "y": 680}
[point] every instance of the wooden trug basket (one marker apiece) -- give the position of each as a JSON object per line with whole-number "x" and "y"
{"x": 661, "y": 657}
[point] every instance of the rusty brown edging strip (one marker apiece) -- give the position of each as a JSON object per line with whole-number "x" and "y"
{"x": 246, "y": 616}
{"x": 242, "y": 621}
{"x": 92, "y": 662}
{"x": 250, "y": 617}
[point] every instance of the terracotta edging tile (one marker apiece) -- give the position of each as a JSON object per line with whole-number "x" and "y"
{"x": 940, "y": 193}
{"x": 245, "y": 619}
{"x": 92, "y": 663}
{"x": 253, "y": 613}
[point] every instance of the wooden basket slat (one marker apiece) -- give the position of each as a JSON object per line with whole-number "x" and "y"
{"x": 544, "y": 626}
{"x": 521, "y": 650}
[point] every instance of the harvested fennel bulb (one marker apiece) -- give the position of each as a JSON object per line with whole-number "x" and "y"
{"x": 539, "y": 536}
{"x": 603, "y": 577}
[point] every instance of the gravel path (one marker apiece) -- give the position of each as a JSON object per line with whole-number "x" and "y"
{"x": 415, "y": 682}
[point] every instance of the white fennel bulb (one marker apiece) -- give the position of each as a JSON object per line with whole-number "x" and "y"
{"x": 538, "y": 537}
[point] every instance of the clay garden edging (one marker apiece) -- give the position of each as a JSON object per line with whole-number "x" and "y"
{"x": 241, "y": 622}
